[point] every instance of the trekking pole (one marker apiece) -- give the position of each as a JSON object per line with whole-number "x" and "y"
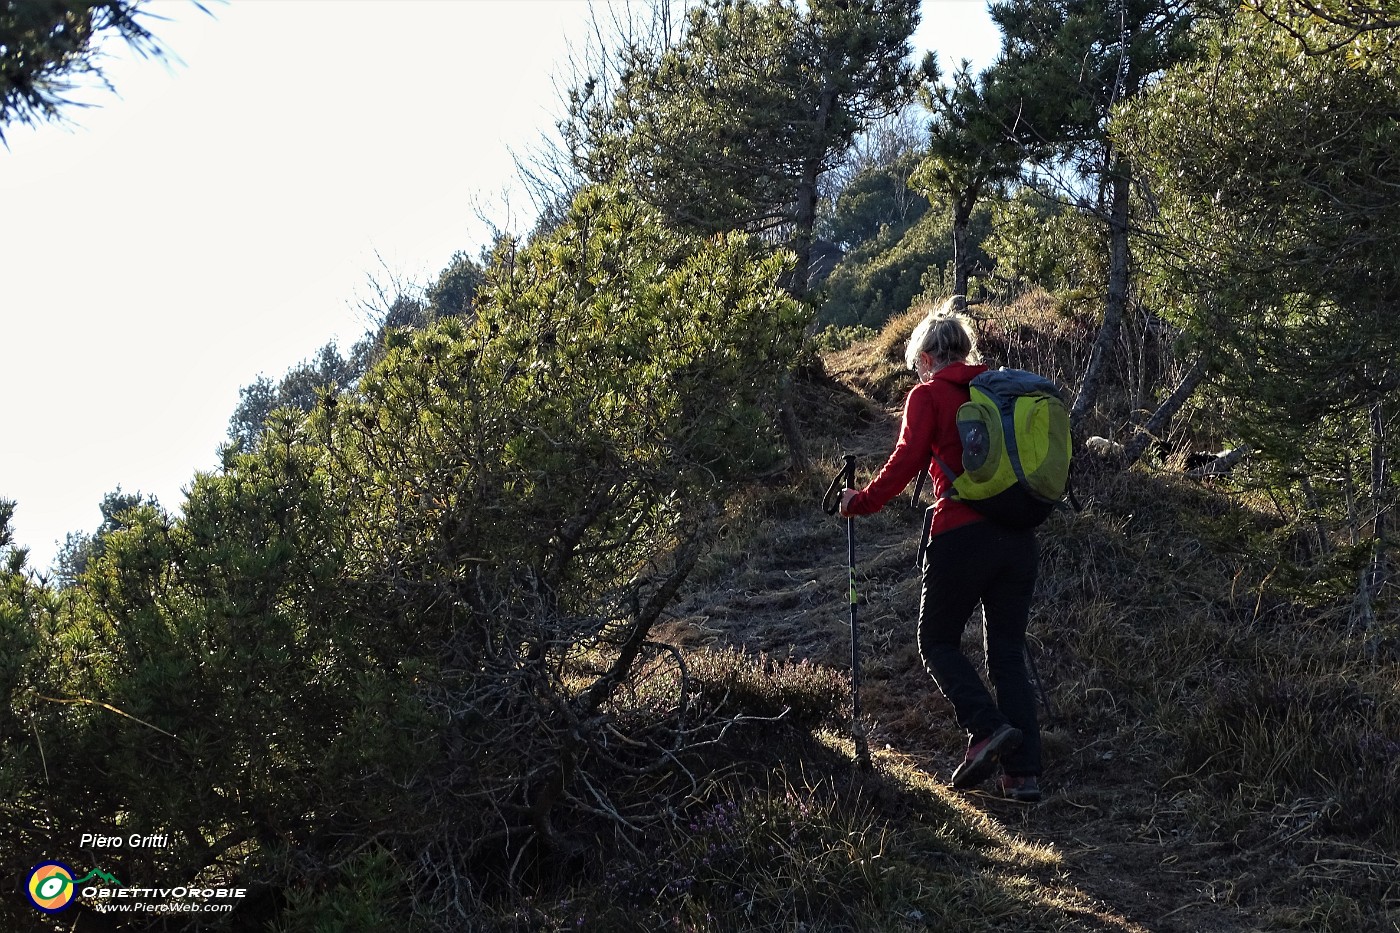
{"x": 846, "y": 479}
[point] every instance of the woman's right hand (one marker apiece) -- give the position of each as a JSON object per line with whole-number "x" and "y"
{"x": 846, "y": 498}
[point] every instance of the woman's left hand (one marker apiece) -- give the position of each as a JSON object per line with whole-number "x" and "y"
{"x": 846, "y": 498}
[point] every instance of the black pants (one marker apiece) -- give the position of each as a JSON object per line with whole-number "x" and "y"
{"x": 997, "y": 566}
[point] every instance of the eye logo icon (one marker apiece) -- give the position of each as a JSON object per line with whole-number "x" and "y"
{"x": 50, "y": 886}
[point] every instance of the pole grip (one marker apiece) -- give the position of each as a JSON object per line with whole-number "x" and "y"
{"x": 846, "y": 479}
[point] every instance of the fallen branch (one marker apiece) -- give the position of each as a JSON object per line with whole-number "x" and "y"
{"x": 1222, "y": 464}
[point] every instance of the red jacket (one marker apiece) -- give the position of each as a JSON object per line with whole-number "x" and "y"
{"x": 930, "y": 426}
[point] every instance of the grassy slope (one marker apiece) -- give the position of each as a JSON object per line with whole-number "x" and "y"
{"x": 1224, "y": 756}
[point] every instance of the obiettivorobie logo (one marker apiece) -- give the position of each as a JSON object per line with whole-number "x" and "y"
{"x": 51, "y": 885}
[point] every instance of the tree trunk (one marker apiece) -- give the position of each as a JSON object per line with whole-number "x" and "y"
{"x": 962, "y": 261}
{"x": 798, "y": 461}
{"x": 1320, "y": 548}
{"x": 804, "y": 219}
{"x": 959, "y": 262}
{"x": 804, "y": 222}
{"x": 1156, "y": 425}
{"x": 1373, "y": 577}
{"x": 1116, "y": 301}
{"x": 1376, "y": 574}
{"x": 1222, "y": 464}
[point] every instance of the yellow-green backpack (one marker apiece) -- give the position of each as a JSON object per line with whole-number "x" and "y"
{"x": 1016, "y": 448}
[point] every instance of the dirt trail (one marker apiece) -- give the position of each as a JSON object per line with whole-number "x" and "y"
{"x": 1126, "y": 845}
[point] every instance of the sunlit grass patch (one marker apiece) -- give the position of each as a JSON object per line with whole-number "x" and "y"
{"x": 808, "y": 847}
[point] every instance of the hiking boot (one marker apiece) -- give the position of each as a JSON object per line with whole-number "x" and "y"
{"x": 981, "y": 758}
{"x": 1021, "y": 787}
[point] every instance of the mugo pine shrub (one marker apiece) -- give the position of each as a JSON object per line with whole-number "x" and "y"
{"x": 393, "y": 628}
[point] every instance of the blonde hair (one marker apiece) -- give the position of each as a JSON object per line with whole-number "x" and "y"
{"x": 944, "y": 335}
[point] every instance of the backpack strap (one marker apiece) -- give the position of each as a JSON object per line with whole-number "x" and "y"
{"x": 952, "y": 477}
{"x": 923, "y": 475}
{"x": 1069, "y": 488}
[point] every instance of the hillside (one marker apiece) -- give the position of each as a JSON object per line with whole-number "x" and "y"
{"x": 1222, "y": 755}
{"x": 654, "y": 733}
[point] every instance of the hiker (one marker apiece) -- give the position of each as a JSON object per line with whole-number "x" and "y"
{"x": 968, "y": 558}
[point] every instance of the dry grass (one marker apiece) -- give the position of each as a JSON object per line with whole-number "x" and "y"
{"x": 1034, "y": 332}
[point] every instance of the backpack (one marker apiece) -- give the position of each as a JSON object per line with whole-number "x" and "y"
{"x": 1016, "y": 448}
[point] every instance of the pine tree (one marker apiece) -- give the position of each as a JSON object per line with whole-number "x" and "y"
{"x": 1079, "y": 59}
{"x": 733, "y": 125}
{"x": 1272, "y": 163}
{"x": 979, "y": 140}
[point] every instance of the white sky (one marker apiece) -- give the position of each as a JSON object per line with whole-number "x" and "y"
{"x": 222, "y": 217}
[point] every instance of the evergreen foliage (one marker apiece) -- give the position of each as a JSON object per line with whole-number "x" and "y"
{"x": 876, "y": 202}
{"x": 1071, "y": 63}
{"x": 47, "y": 47}
{"x": 1278, "y": 234}
{"x": 732, "y": 126}
{"x": 452, "y": 294}
{"x": 888, "y": 273}
{"x": 1283, "y": 230}
{"x": 297, "y": 390}
{"x": 1275, "y": 234}
{"x": 80, "y": 549}
{"x": 455, "y": 290}
{"x": 406, "y": 618}
{"x": 978, "y": 142}
{"x": 1037, "y": 242}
